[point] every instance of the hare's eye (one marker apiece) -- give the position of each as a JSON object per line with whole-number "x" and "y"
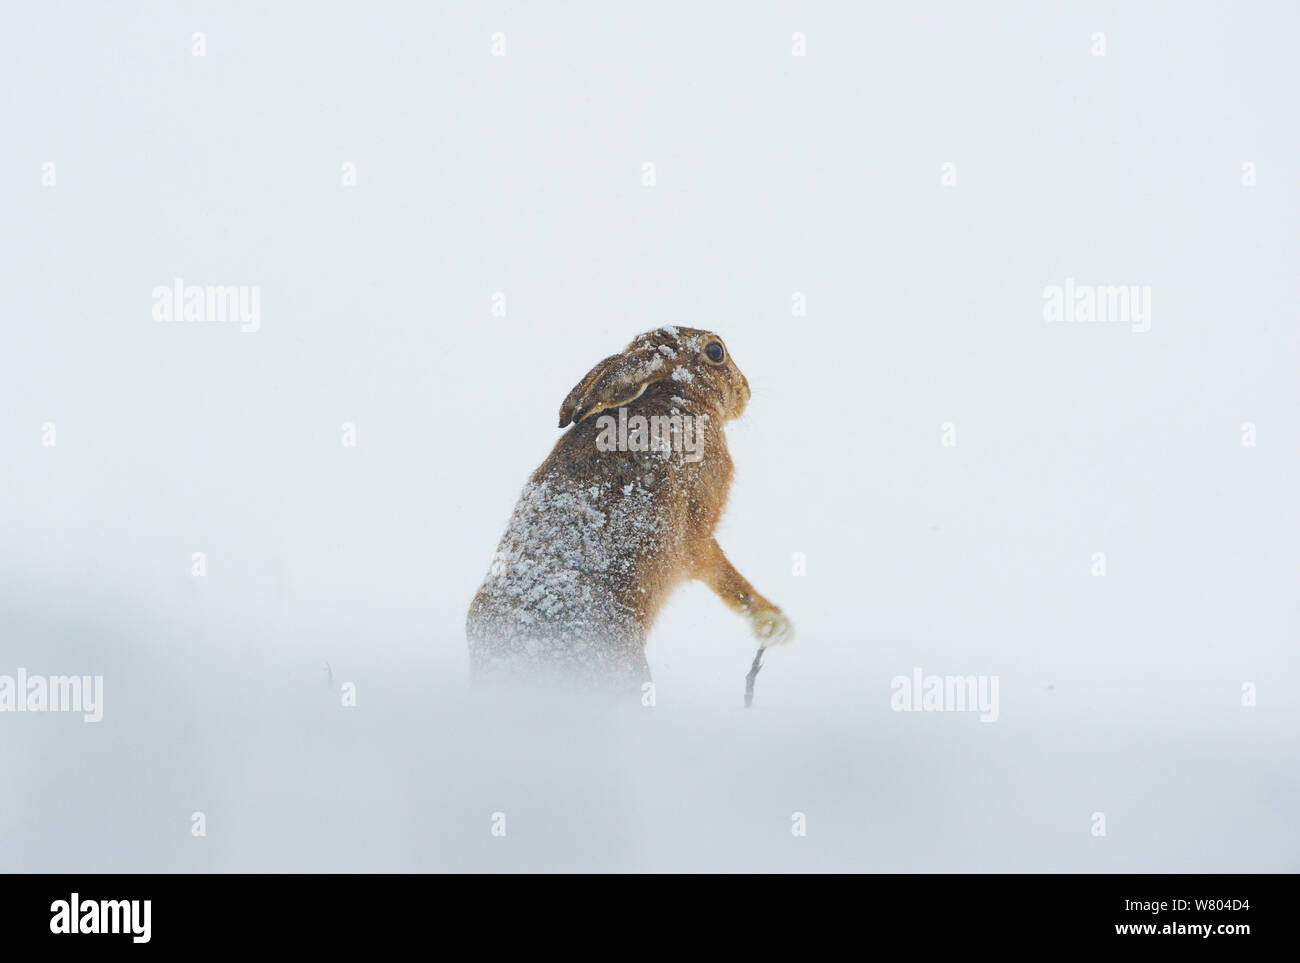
{"x": 713, "y": 351}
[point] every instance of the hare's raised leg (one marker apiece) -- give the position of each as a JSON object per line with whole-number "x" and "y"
{"x": 711, "y": 567}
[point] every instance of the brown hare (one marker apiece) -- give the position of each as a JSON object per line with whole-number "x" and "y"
{"x": 621, "y": 512}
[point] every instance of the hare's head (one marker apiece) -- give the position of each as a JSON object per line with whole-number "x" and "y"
{"x": 687, "y": 362}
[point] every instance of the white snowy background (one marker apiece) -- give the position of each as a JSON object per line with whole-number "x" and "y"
{"x": 775, "y": 174}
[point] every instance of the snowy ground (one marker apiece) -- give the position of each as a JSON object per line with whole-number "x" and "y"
{"x": 775, "y": 176}
{"x": 409, "y": 778}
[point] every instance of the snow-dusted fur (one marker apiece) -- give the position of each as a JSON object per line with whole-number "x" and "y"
{"x": 599, "y": 539}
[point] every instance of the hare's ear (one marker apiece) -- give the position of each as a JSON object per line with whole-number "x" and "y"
{"x": 615, "y": 381}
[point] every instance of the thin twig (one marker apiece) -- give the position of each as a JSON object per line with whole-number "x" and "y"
{"x": 753, "y": 674}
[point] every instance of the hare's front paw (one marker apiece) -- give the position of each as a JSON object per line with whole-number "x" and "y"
{"x": 772, "y": 627}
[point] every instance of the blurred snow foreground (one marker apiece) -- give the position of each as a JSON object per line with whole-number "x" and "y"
{"x": 423, "y": 773}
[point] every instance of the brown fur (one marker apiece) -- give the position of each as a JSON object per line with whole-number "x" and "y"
{"x": 600, "y": 539}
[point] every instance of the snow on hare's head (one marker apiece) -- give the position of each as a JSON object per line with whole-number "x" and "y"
{"x": 694, "y": 363}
